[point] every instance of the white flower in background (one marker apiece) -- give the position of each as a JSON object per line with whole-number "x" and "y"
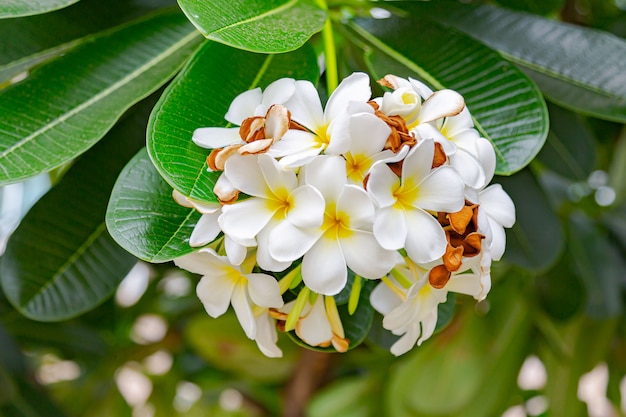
{"x": 343, "y": 240}
{"x": 275, "y": 197}
{"x": 402, "y": 218}
{"x": 223, "y": 284}
{"x": 328, "y": 128}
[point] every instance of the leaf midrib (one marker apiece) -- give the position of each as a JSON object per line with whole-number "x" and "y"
{"x": 103, "y": 94}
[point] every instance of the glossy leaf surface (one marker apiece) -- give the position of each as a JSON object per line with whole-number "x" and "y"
{"x": 61, "y": 261}
{"x": 16, "y": 8}
{"x": 578, "y": 68}
{"x": 144, "y": 218}
{"x": 200, "y": 96}
{"x": 101, "y": 79}
{"x": 260, "y": 26}
{"x": 507, "y": 107}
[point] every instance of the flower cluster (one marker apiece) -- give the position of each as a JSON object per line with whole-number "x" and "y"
{"x": 393, "y": 188}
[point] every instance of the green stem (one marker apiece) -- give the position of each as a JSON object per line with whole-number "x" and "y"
{"x": 330, "y": 53}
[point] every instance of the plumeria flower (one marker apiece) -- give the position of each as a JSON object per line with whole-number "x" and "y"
{"x": 327, "y": 130}
{"x": 275, "y": 197}
{"x": 223, "y": 284}
{"x": 207, "y": 229}
{"x": 412, "y": 312}
{"x": 402, "y": 218}
{"x": 344, "y": 240}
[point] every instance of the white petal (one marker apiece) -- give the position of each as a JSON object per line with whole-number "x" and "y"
{"x": 428, "y": 131}
{"x": 442, "y": 103}
{"x": 215, "y": 294}
{"x": 315, "y": 328}
{"x": 461, "y": 122}
{"x": 382, "y": 184}
{"x": 355, "y": 87}
{"x": 305, "y": 105}
{"x": 263, "y": 257}
{"x": 235, "y": 252}
{"x": 245, "y": 219}
{"x": 276, "y": 122}
{"x": 442, "y": 190}
{"x": 339, "y": 134}
{"x": 365, "y": 256}
{"x": 487, "y": 158}
{"x": 224, "y": 190}
{"x": 328, "y": 175}
{"x": 307, "y": 207}
{"x": 324, "y": 268}
{"x": 181, "y": 199}
{"x": 266, "y": 336}
{"x": 383, "y": 299}
{"x": 468, "y": 168}
{"x": 277, "y": 92}
{"x": 428, "y": 326}
{"x": 468, "y": 284}
{"x": 206, "y": 230}
{"x": 244, "y": 173}
{"x": 417, "y": 164}
{"x": 216, "y": 137}
{"x": 357, "y": 205}
{"x": 244, "y": 106}
{"x": 368, "y": 134}
{"x": 498, "y": 205}
{"x": 422, "y": 89}
{"x": 390, "y": 228}
{"x": 498, "y": 240}
{"x": 426, "y": 240}
{"x": 264, "y": 290}
{"x": 406, "y": 342}
{"x": 301, "y": 157}
{"x": 243, "y": 310}
{"x": 199, "y": 262}
{"x": 288, "y": 242}
{"x": 277, "y": 178}
{"x": 205, "y": 207}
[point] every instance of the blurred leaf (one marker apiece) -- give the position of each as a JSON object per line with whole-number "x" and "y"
{"x": 507, "y": 107}
{"x": 617, "y": 171}
{"x": 73, "y": 101}
{"x": 200, "y": 96}
{"x": 570, "y": 148}
{"x": 346, "y": 397}
{"x": 561, "y": 292}
{"x": 61, "y": 261}
{"x": 7, "y": 387}
{"x": 473, "y": 353}
{"x": 31, "y": 40}
{"x": 16, "y": 8}
{"x": 269, "y": 26}
{"x": 563, "y": 59}
{"x": 143, "y": 217}
{"x": 536, "y": 239}
{"x": 224, "y": 345}
{"x": 599, "y": 264}
{"x": 542, "y": 7}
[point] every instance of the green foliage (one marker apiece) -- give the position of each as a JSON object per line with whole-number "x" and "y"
{"x": 74, "y": 77}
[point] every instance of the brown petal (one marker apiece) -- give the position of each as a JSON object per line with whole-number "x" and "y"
{"x": 453, "y": 258}
{"x": 256, "y": 147}
{"x": 252, "y": 128}
{"x": 439, "y": 276}
{"x": 440, "y": 157}
{"x": 276, "y": 122}
{"x": 460, "y": 219}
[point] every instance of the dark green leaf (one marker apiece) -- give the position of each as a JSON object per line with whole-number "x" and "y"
{"x": 199, "y": 97}
{"x": 536, "y": 239}
{"x": 74, "y": 100}
{"x": 144, "y": 218}
{"x": 31, "y": 40}
{"x": 542, "y": 7}
{"x": 16, "y": 8}
{"x": 269, "y": 26}
{"x": 507, "y": 107}
{"x": 598, "y": 264}
{"x": 61, "y": 261}
{"x": 578, "y": 68}
{"x": 560, "y": 291}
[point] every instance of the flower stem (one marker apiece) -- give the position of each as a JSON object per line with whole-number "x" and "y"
{"x": 330, "y": 53}
{"x": 355, "y": 293}
{"x": 296, "y": 311}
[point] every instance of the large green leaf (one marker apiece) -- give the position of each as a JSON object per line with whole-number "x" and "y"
{"x": 269, "y": 26}
{"x": 61, "y": 261}
{"x": 579, "y": 68}
{"x": 74, "y": 100}
{"x": 507, "y": 107}
{"x": 200, "y": 96}
{"x": 31, "y": 40}
{"x": 144, "y": 218}
{"x": 16, "y": 8}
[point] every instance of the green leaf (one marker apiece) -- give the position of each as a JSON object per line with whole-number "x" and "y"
{"x": 61, "y": 261}
{"x": 17, "y": 8}
{"x": 578, "y": 68}
{"x": 143, "y": 217}
{"x": 570, "y": 148}
{"x": 598, "y": 264}
{"x": 269, "y": 26}
{"x": 507, "y": 107}
{"x": 200, "y": 96}
{"x": 542, "y": 7}
{"x": 536, "y": 239}
{"x": 74, "y": 100}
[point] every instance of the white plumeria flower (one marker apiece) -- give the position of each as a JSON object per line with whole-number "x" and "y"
{"x": 402, "y": 218}
{"x": 412, "y": 312}
{"x": 223, "y": 284}
{"x": 275, "y": 198}
{"x": 266, "y": 335}
{"x": 250, "y": 103}
{"x": 343, "y": 240}
{"x": 207, "y": 229}
{"x": 327, "y": 128}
